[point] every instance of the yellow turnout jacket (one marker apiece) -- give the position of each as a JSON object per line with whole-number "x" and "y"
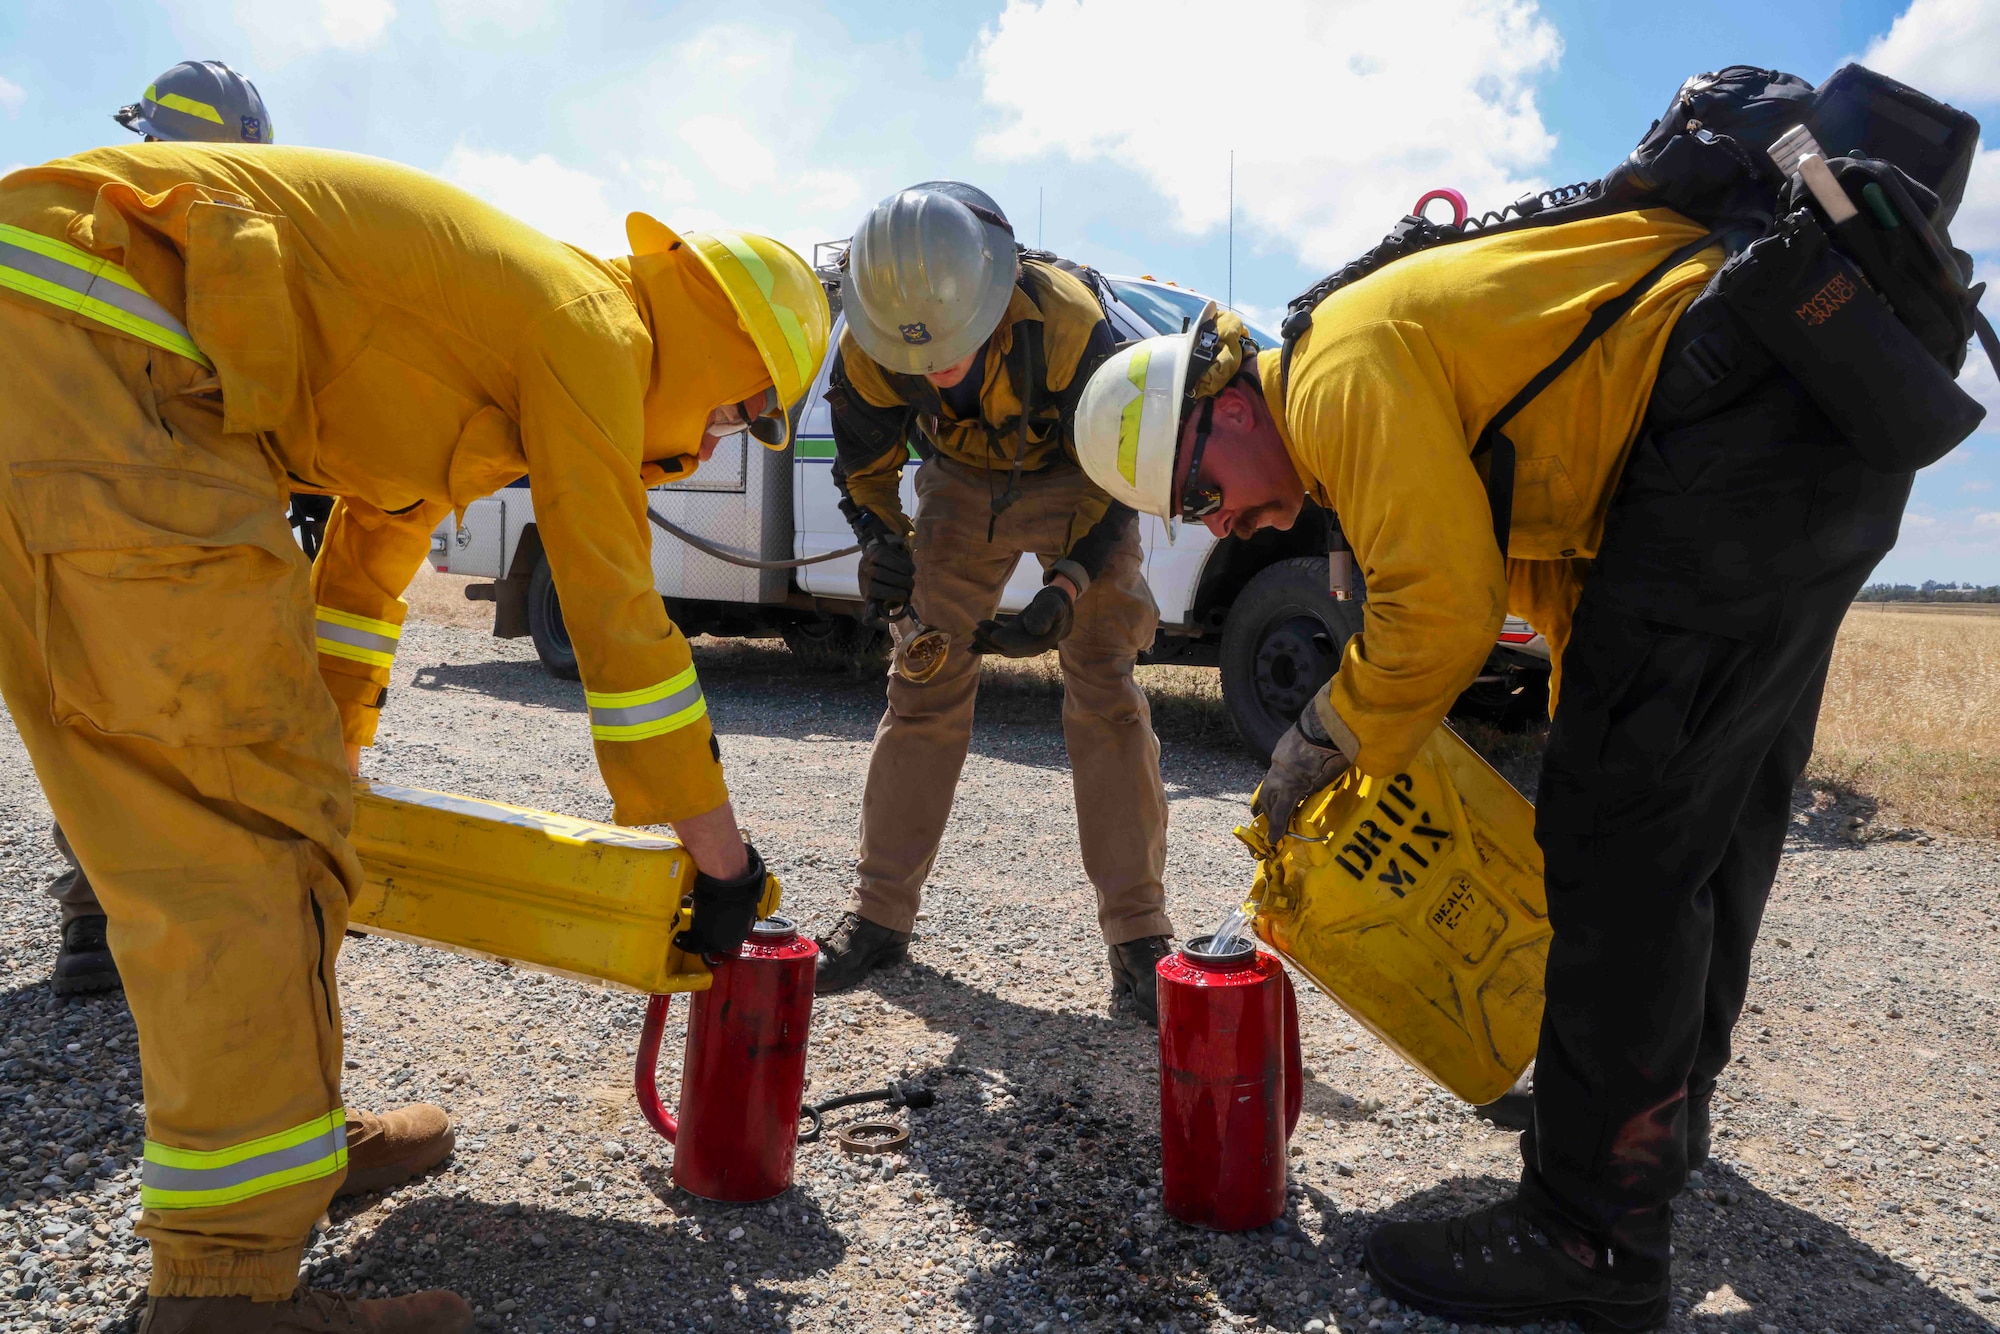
{"x": 407, "y": 348}
{"x": 1389, "y": 391}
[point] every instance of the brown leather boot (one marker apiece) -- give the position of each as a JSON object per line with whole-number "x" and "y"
{"x": 309, "y": 1312}
{"x": 387, "y": 1150}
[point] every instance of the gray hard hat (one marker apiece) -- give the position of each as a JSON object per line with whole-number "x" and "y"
{"x": 928, "y": 277}
{"x": 199, "y": 101}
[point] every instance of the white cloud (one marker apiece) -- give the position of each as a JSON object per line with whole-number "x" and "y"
{"x": 277, "y": 34}
{"x": 1977, "y": 378}
{"x": 1980, "y": 485}
{"x": 568, "y": 204}
{"x": 265, "y": 37}
{"x": 349, "y": 25}
{"x": 834, "y": 192}
{"x": 1948, "y": 48}
{"x": 507, "y": 18}
{"x": 1960, "y": 544}
{"x": 786, "y": 130}
{"x": 1391, "y": 106}
{"x": 11, "y": 95}
{"x": 728, "y": 149}
{"x": 1976, "y": 226}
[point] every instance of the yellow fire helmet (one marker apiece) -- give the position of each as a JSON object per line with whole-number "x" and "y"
{"x": 779, "y": 302}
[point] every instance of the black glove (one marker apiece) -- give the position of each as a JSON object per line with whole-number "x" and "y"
{"x": 1042, "y": 625}
{"x": 888, "y": 572}
{"x": 724, "y": 910}
{"x": 1304, "y": 761}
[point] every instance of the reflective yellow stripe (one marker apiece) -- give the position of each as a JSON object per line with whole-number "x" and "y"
{"x": 76, "y": 280}
{"x": 343, "y": 634}
{"x": 186, "y": 104}
{"x": 788, "y": 319}
{"x": 203, "y": 1178}
{"x": 634, "y": 715}
{"x": 1128, "y": 417}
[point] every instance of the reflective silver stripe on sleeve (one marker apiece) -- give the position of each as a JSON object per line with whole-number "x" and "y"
{"x": 347, "y": 634}
{"x": 632, "y": 715}
{"x": 136, "y": 304}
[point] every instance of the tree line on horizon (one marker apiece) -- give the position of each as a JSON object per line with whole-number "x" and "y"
{"x": 1930, "y": 590}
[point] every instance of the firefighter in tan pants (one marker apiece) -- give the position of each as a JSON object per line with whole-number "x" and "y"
{"x": 191, "y": 333}
{"x": 979, "y": 357}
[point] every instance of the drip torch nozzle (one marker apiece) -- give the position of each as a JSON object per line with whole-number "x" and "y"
{"x": 901, "y": 1093}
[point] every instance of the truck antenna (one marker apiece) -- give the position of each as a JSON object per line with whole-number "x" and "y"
{"x": 1232, "y": 229}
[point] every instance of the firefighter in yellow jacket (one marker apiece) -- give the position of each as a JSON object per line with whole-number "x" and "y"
{"x": 1685, "y": 527}
{"x": 191, "y": 333}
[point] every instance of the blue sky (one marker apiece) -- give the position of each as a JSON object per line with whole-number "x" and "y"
{"x": 1118, "y": 115}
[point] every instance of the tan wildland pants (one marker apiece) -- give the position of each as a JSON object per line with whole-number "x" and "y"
{"x": 1121, "y": 806}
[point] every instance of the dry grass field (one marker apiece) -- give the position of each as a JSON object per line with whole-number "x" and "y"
{"x": 1912, "y": 714}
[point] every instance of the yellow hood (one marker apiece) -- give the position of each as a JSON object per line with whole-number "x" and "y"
{"x": 702, "y": 358}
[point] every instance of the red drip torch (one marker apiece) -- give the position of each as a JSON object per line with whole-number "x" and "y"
{"x": 744, "y": 1070}
{"x": 1231, "y": 1083}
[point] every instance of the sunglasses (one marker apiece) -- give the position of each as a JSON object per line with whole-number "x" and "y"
{"x": 766, "y": 418}
{"x": 1198, "y": 502}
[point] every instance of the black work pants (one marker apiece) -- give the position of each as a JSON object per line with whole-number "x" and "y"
{"x": 1690, "y": 690}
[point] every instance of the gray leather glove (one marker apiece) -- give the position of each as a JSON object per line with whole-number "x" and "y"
{"x": 1304, "y": 761}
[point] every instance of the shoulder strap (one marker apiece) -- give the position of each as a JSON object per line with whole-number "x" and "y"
{"x": 1987, "y": 339}
{"x": 1027, "y": 368}
{"x": 1493, "y": 439}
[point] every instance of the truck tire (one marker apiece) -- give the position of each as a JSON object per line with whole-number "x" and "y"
{"x": 546, "y": 628}
{"x": 837, "y": 644}
{"x": 1281, "y": 643}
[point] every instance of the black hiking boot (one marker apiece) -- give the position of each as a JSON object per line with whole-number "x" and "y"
{"x": 84, "y": 963}
{"x": 1132, "y": 974}
{"x": 1498, "y": 1266}
{"x": 852, "y": 950}
{"x": 1514, "y": 1109}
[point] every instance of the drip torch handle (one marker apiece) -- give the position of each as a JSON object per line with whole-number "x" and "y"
{"x": 645, "y": 1073}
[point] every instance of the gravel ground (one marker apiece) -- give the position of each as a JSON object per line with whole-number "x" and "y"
{"x": 1855, "y": 1187}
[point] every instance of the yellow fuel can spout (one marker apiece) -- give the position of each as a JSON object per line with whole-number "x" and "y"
{"x": 1415, "y": 900}
{"x": 590, "y": 901}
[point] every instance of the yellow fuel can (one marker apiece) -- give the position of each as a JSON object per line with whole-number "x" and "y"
{"x": 1416, "y": 902}
{"x": 586, "y": 900}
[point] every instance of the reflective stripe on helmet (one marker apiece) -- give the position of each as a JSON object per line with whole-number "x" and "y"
{"x": 342, "y": 634}
{"x": 76, "y": 280}
{"x": 186, "y": 105}
{"x": 788, "y": 319}
{"x": 1128, "y": 419}
{"x": 634, "y": 715}
{"x": 203, "y": 1178}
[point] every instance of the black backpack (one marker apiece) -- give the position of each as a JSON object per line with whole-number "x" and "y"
{"x": 1710, "y": 158}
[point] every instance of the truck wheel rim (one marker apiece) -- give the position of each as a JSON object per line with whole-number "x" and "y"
{"x": 1294, "y": 658}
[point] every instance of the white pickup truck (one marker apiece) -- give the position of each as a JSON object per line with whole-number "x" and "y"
{"x": 1260, "y": 609}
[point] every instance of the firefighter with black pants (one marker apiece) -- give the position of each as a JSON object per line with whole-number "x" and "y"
{"x": 977, "y": 357}
{"x": 1688, "y": 549}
